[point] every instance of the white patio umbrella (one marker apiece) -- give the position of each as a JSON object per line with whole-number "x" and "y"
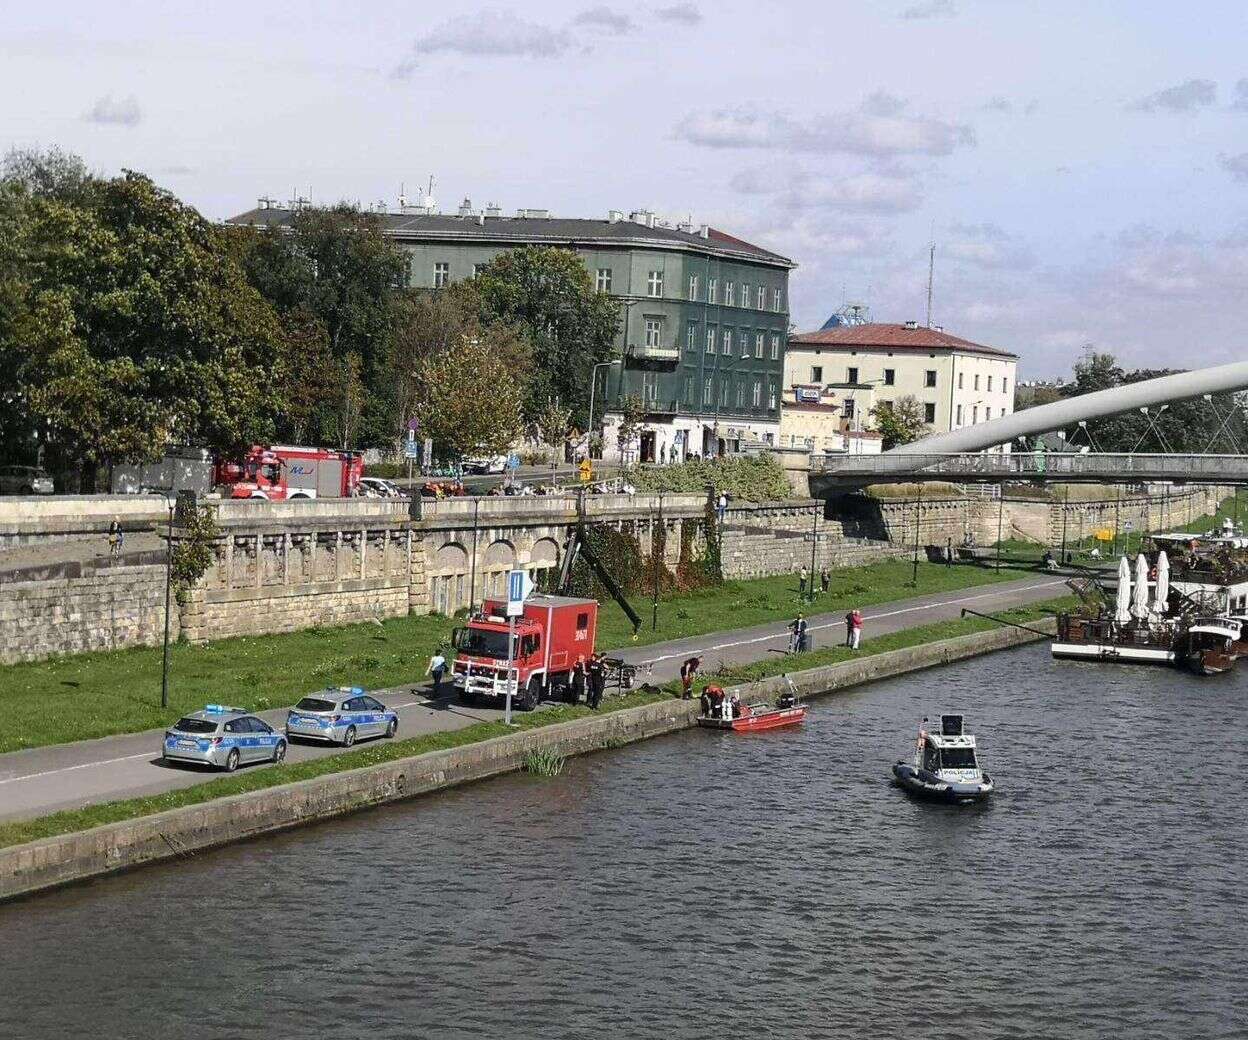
{"x": 1139, "y": 598}
{"x": 1162, "y": 596}
{"x": 1122, "y": 605}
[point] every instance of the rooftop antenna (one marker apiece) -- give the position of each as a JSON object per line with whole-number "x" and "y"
{"x": 931, "y": 272}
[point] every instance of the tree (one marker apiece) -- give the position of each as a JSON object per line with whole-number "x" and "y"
{"x": 53, "y": 174}
{"x": 631, "y": 415}
{"x": 900, "y": 421}
{"x": 549, "y": 295}
{"x": 425, "y": 324}
{"x": 308, "y": 376}
{"x": 336, "y": 263}
{"x": 128, "y": 326}
{"x": 552, "y": 423}
{"x": 467, "y": 399}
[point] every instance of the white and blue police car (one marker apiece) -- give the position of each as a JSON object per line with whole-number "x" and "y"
{"x": 223, "y": 737}
{"x": 341, "y": 715}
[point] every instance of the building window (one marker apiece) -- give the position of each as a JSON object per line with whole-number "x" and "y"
{"x": 851, "y": 375}
{"x": 977, "y": 381}
{"x": 727, "y": 351}
{"x": 706, "y": 391}
{"x": 710, "y": 339}
{"x": 775, "y": 300}
{"x": 654, "y": 283}
{"x": 441, "y": 274}
{"x": 958, "y": 420}
{"x": 745, "y": 295}
{"x": 762, "y": 298}
{"x": 771, "y": 396}
{"x": 886, "y": 404}
{"x": 974, "y": 414}
{"x": 730, "y": 294}
{"x": 712, "y": 290}
{"x": 649, "y": 386}
{"x": 603, "y": 282}
{"x": 693, "y": 287}
{"x": 745, "y": 343}
{"x": 775, "y": 347}
{"x": 688, "y": 394}
{"x": 816, "y": 373}
{"x": 960, "y": 374}
{"x": 477, "y": 269}
{"x": 654, "y": 332}
{"x": 929, "y": 377}
{"x": 1005, "y": 385}
{"x": 758, "y": 393}
{"x": 691, "y": 337}
{"x": 723, "y": 392}
{"x": 890, "y": 376}
{"x": 758, "y": 344}
{"x": 929, "y": 412}
{"x": 990, "y": 384}
{"x": 740, "y": 395}
{"x": 849, "y": 408}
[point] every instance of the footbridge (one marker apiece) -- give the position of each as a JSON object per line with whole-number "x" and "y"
{"x": 958, "y": 456}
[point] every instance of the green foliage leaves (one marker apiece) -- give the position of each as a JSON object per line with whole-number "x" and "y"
{"x": 127, "y": 325}
{"x": 548, "y": 294}
{"x": 193, "y": 548}
{"x": 752, "y": 478}
{"x": 900, "y": 421}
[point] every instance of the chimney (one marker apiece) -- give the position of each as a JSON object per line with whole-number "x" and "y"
{"x": 705, "y": 231}
{"x": 465, "y": 207}
{"x": 912, "y": 324}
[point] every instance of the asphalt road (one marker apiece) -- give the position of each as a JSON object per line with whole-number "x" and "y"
{"x": 65, "y": 776}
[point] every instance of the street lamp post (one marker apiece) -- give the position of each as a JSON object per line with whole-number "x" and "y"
{"x": 164, "y": 668}
{"x": 858, "y": 412}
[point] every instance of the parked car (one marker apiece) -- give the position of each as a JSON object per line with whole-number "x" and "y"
{"x": 222, "y": 737}
{"x": 25, "y": 480}
{"x": 484, "y": 464}
{"x": 338, "y": 716}
{"x": 375, "y": 487}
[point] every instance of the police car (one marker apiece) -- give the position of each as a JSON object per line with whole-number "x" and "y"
{"x": 341, "y": 715}
{"x": 223, "y": 737}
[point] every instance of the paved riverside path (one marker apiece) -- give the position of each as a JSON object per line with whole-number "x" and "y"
{"x": 64, "y": 776}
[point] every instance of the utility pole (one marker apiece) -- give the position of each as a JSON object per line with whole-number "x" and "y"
{"x": 814, "y": 542}
{"x": 931, "y": 272}
{"x": 1000, "y": 520}
{"x": 658, "y": 540}
{"x": 918, "y": 506}
{"x": 1065, "y": 510}
{"x": 164, "y": 667}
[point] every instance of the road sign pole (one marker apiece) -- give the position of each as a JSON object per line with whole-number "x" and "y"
{"x": 511, "y": 646}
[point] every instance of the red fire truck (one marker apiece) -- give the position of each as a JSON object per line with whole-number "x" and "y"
{"x": 554, "y": 635}
{"x": 282, "y": 472}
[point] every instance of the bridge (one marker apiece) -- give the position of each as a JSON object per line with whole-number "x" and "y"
{"x": 957, "y": 456}
{"x": 830, "y": 473}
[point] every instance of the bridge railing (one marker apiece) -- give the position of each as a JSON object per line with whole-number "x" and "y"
{"x": 1034, "y": 465}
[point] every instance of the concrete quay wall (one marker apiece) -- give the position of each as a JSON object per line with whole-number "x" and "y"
{"x": 51, "y": 862}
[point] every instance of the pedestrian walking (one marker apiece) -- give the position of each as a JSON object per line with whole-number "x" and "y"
{"x": 596, "y": 677}
{"x": 825, "y": 579}
{"x": 116, "y": 538}
{"x": 856, "y": 626}
{"x": 437, "y": 668}
{"x": 577, "y": 690}
{"x": 721, "y": 508}
{"x": 849, "y": 629}
{"x": 802, "y": 575}
{"x": 688, "y": 671}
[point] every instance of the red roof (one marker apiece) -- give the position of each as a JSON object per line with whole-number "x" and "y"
{"x": 893, "y": 337}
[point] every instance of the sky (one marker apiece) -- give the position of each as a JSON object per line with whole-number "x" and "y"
{"x": 1082, "y": 167}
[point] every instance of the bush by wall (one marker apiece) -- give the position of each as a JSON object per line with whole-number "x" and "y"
{"x": 755, "y": 478}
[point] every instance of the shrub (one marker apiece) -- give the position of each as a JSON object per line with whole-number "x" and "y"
{"x": 748, "y": 478}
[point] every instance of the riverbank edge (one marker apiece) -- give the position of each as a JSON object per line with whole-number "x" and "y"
{"x": 179, "y": 833}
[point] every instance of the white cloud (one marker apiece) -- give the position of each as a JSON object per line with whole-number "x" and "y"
{"x": 115, "y": 111}
{"x": 986, "y": 246}
{"x": 682, "y": 14}
{"x": 880, "y": 127}
{"x": 604, "y": 19}
{"x": 1235, "y": 165}
{"x": 489, "y": 34}
{"x": 930, "y": 9}
{"x": 1240, "y": 104}
{"x": 1188, "y": 96}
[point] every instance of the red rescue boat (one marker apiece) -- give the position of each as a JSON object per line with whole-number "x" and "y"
{"x": 721, "y": 713}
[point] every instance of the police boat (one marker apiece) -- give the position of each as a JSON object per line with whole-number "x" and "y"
{"x": 945, "y": 767}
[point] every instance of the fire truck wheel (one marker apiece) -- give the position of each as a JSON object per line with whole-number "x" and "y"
{"x": 532, "y": 694}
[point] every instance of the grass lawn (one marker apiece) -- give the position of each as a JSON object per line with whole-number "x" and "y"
{"x": 83, "y": 696}
{"x": 110, "y": 812}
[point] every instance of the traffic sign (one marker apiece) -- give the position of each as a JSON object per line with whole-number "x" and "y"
{"x": 413, "y": 425}
{"x": 513, "y": 462}
{"x": 519, "y": 586}
{"x": 587, "y": 470}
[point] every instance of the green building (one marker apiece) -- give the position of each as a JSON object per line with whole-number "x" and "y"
{"x": 705, "y": 316}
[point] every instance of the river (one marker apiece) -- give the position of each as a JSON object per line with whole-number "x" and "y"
{"x": 706, "y": 885}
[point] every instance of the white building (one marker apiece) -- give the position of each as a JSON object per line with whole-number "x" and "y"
{"x": 858, "y": 367}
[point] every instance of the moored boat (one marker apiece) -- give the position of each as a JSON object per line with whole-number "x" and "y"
{"x": 945, "y": 766}
{"x": 723, "y": 712}
{"x": 1211, "y": 645}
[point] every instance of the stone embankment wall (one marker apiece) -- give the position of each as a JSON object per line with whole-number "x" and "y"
{"x": 51, "y": 862}
{"x": 73, "y": 608}
{"x": 40, "y": 519}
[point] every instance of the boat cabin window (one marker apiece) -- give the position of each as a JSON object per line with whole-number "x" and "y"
{"x": 931, "y": 759}
{"x": 957, "y": 758}
{"x": 481, "y": 642}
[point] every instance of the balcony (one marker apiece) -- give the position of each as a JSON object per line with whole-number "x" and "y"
{"x": 651, "y": 353}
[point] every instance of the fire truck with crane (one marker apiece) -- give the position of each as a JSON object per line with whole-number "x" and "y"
{"x": 552, "y": 637}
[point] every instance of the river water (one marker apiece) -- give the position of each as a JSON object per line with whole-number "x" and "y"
{"x": 705, "y": 885}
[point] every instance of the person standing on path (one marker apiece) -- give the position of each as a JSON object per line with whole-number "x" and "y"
{"x": 437, "y": 668}
{"x": 825, "y": 579}
{"x": 849, "y": 629}
{"x": 855, "y": 628}
{"x": 799, "y": 642}
{"x": 116, "y": 537}
{"x": 721, "y": 508}
{"x": 597, "y": 678}
{"x": 688, "y": 671}
{"x": 577, "y": 690}
{"x": 801, "y": 581}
